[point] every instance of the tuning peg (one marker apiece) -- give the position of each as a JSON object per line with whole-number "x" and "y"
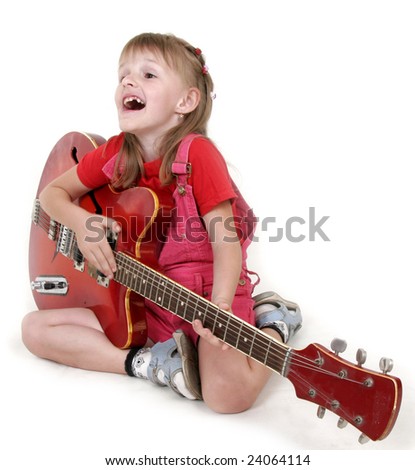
{"x": 321, "y": 411}
{"x": 341, "y": 423}
{"x": 385, "y": 364}
{"x": 361, "y": 357}
{"x": 363, "y": 439}
{"x": 338, "y": 345}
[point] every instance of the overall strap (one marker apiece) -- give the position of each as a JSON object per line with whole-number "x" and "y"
{"x": 181, "y": 168}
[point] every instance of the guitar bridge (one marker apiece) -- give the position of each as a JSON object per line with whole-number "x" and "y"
{"x": 65, "y": 241}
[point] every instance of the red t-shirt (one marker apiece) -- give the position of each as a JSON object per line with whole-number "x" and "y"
{"x": 209, "y": 177}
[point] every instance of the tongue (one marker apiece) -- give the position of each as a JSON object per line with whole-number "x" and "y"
{"x": 135, "y": 105}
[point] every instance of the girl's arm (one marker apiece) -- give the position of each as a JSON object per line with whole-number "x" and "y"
{"x": 227, "y": 262}
{"x": 57, "y": 200}
{"x": 227, "y": 253}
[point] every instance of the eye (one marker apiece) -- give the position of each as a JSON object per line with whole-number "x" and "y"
{"x": 149, "y": 75}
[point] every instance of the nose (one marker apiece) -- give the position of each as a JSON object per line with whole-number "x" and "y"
{"x": 129, "y": 81}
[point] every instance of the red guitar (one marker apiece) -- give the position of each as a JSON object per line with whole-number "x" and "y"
{"x": 60, "y": 277}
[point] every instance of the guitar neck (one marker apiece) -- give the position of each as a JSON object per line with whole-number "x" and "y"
{"x": 189, "y": 306}
{"x": 175, "y": 298}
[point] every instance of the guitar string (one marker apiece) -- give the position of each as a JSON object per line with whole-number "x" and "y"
{"x": 144, "y": 276}
{"x": 270, "y": 349}
{"x": 296, "y": 358}
{"x": 325, "y": 399}
{"x": 274, "y": 355}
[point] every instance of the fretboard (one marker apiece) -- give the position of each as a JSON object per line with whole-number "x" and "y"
{"x": 189, "y": 306}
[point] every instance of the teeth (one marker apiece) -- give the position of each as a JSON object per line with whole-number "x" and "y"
{"x": 132, "y": 102}
{"x": 131, "y": 98}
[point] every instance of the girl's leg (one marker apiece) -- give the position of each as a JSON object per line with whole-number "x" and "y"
{"x": 73, "y": 337}
{"x": 231, "y": 382}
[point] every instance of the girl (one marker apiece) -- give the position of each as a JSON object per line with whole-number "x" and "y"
{"x": 163, "y": 95}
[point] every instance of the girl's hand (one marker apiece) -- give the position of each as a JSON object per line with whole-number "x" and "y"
{"x": 91, "y": 236}
{"x": 207, "y": 334}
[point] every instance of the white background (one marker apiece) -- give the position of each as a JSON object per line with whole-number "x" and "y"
{"x": 315, "y": 108}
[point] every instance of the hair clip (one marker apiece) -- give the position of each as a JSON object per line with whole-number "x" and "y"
{"x": 212, "y": 95}
{"x": 197, "y": 51}
{"x": 205, "y": 70}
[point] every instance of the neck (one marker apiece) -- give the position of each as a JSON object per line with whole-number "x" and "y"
{"x": 148, "y": 146}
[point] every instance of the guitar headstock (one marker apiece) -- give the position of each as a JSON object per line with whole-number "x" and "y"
{"x": 368, "y": 400}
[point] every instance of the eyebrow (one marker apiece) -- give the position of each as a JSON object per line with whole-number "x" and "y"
{"x": 146, "y": 59}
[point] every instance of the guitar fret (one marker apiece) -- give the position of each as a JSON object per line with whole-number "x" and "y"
{"x": 243, "y": 343}
{"x": 252, "y": 343}
{"x": 197, "y": 310}
{"x": 202, "y": 315}
{"x": 124, "y": 276}
{"x": 183, "y": 306}
{"x": 155, "y": 289}
{"x": 160, "y": 299}
{"x": 168, "y": 306}
{"x": 209, "y": 316}
{"x": 150, "y": 291}
{"x": 135, "y": 282}
{"x": 219, "y": 331}
{"x": 225, "y": 333}
{"x": 190, "y": 307}
{"x": 277, "y": 361}
{"x": 119, "y": 275}
{"x": 261, "y": 354}
{"x": 144, "y": 282}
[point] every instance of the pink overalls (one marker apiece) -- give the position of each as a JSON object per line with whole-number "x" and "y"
{"x": 187, "y": 257}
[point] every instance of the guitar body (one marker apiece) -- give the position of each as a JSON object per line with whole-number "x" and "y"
{"x": 120, "y": 311}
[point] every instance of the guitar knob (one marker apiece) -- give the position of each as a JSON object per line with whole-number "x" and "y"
{"x": 341, "y": 423}
{"x": 363, "y": 439}
{"x": 321, "y": 411}
{"x": 386, "y": 364}
{"x": 338, "y": 345}
{"x": 361, "y": 357}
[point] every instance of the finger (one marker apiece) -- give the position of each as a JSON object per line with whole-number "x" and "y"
{"x": 103, "y": 260}
{"x": 206, "y": 334}
{"x": 112, "y": 224}
{"x": 224, "y": 306}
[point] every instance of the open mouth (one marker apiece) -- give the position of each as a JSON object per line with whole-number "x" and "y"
{"x": 133, "y": 103}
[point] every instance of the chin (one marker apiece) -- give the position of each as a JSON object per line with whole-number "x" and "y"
{"x": 126, "y": 127}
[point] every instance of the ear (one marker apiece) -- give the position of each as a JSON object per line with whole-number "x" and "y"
{"x": 189, "y": 101}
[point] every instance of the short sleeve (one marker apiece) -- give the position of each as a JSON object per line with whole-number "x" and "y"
{"x": 91, "y": 167}
{"x": 210, "y": 178}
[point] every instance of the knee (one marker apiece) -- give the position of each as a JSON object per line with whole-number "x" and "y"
{"x": 228, "y": 398}
{"x": 31, "y": 332}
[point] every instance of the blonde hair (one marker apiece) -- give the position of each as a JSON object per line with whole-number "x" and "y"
{"x": 190, "y": 64}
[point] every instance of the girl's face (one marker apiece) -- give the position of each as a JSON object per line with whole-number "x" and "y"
{"x": 150, "y": 96}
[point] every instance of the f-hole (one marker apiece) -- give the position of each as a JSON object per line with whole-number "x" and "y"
{"x": 74, "y": 154}
{"x": 98, "y": 208}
